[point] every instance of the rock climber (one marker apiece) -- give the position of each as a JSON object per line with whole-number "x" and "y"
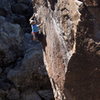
{"x": 35, "y": 27}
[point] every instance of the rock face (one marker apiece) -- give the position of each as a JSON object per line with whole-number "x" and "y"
{"x": 22, "y": 71}
{"x": 72, "y": 50}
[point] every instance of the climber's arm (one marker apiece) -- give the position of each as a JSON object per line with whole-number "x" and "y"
{"x": 32, "y": 17}
{"x": 40, "y": 24}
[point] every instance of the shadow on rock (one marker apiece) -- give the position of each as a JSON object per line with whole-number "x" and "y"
{"x": 82, "y": 78}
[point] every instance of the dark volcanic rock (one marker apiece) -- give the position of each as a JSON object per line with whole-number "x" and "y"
{"x": 19, "y": 8}
{"x": 2, "y": 94}
{"x": 13, "y": 94}
{"x": 30, "y": 72}
{"x": 3, "y": 12}
{"x": 46, "y": 94}
{"x": 5, "y": 4}
{"x": 10, "y": 39}
{"x": 19, "y": 19}
{"x": 21, "y": 59}
{"x": 4, "y": 85}
{"x": 30, "y": 95}
{"x": 0, "y": 70}
{"x": 25, "y": 1}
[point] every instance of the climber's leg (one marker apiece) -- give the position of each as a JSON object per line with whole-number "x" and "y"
{"x": 34, "y": 35}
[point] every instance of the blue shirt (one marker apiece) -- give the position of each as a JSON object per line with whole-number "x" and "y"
{"x": 35, "y": 28}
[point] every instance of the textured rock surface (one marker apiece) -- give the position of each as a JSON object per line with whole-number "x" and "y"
{"x": 30, "y": 72}
{"x": 29, "y": 95}
{"x": 46, "y": 94}
{"x": 13, "y": 94}
{"x": 10, "y": 40}
{"x": 72, "y": 50}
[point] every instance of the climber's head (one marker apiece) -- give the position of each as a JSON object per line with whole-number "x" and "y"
{"x": 32, "y": 22}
